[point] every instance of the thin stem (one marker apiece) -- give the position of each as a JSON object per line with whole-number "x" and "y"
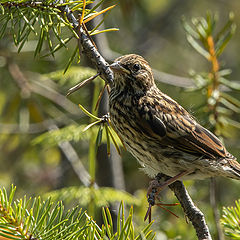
{"x": 216, "y": 214}
{"x": 191, "y": 211}
{"x": 214, "y": 77}
{"x": 214, "y": 88}
{"x": 92, "y": 152}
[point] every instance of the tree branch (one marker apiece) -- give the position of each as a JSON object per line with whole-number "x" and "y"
{"x": 192, "y": 212}
{"x": 88, "y": 48}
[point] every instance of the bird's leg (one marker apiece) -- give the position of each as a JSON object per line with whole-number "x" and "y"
{"x": 160, "y": 186}
{"x": 155, "y": 187}
{"x": 151, "y": 200}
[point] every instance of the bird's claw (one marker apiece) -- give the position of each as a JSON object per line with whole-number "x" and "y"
{"x": 148, "y": 213}
{"x": 154, "y": 188}
{"x": 151, "y": 200}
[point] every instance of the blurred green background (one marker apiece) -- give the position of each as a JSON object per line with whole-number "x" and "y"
{"x": 32, "y": 102}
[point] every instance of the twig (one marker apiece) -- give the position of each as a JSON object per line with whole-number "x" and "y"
{"x": 28, "y": 87}
{"x": 74, "y": 160}
{"x": 88, "y": 48}
{"x": 81, "y": 84}
{"x": 219, "y": 232}
{"x": 192, "y": 212}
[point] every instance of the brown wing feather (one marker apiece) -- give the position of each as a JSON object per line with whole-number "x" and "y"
{"x": 182, "y": 131}
{"x": 200, "y": 141}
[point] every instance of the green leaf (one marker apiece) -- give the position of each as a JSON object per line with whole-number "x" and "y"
{"x": 145, "y": 231}
{"x": 99, "y": 137}
{"x": 4, "y": 26}
{"x": 82, "y": 195}
{"x": 98, "y": 25}
{"x": 223, "y": 110}
{"x": 88, "y": 113}
{"x": 202, "y": 27}
{"x": 211, "y": 21}
{"x": 91, "y": 124}
{"x": 71, "y": 59}
{"x": 113, "y": 139}
{"x": 226, "y": 27}
{"x": 106, "y": 223}
{"x": 199, "y": 28}
{"x": 230, "y": 84}
{"x": 229, "y": 105}
{"x": 58, "y": 46}
{"x": 110, "y": 221}
{"x": 8, "y": 235}
{"x": 40, "y": 42}
{"x": 224, "y": 72}
{"x": 58, "y": 37}
{"x": 13, "y": 26}
{"x": 12, "y": 192}
{"x": 108, "y": 140}
{"x": 197, "y": 47}
{"x": 26, "y": 20}
{"x": 24, "y": 36}
{"x": 223, "y": 40}
{"x": 233, "y": 123}
{"x": 230, "y": 221}
{"x": 189, "y": 29}
{"x": 95, "y": 7}
{"x": 231, "y": 99}
{"x": 104, "y": 31}
{"x": 126, "y": 227}
{"x": 77, "y": 7}
{"x": 50, "y": 45}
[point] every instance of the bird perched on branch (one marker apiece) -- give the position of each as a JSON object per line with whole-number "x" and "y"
{"x": 160, "y": 133}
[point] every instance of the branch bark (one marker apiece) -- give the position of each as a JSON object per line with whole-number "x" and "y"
{"x": 88, "y": 48}
{"x": 191, "y": 211}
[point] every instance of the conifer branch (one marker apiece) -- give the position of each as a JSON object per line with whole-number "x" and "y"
{"x": 87, "y": 47}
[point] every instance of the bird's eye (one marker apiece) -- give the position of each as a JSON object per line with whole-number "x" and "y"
{"x": 136, "y": 67}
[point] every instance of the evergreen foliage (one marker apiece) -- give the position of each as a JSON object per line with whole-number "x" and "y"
{"x": 29, "y": 218}
{"x": 231, "y": 221}
{"x": 47, "y": 21}
{"x": 42, "y": 219}
{"x": 98, "y": 197}
{"x": 219, "y": 106}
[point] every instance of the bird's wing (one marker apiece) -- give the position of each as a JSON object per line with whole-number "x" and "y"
{"x": 194, "y": 138}
{"x": 177, "y": 128}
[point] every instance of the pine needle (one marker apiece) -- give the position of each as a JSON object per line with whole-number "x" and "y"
{"x": 81, "y": 84}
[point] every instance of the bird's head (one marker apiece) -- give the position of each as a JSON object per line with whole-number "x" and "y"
{"x": 132, "y": 72}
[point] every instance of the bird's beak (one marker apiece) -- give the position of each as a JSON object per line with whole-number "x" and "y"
{"x": 116, "y": 67}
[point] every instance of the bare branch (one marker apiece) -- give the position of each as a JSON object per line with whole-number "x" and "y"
{"x": 27, "y": 87}
{"x": 74, "y": 160}
{"x": 192, "y": 212}
{"x": 40, "y": 88}
{"x": 213, "y": 201}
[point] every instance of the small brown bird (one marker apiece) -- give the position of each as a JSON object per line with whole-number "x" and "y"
{"x": 160, "y": 133}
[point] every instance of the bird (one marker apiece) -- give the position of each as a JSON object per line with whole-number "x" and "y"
{"x": 159, "y": 132}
